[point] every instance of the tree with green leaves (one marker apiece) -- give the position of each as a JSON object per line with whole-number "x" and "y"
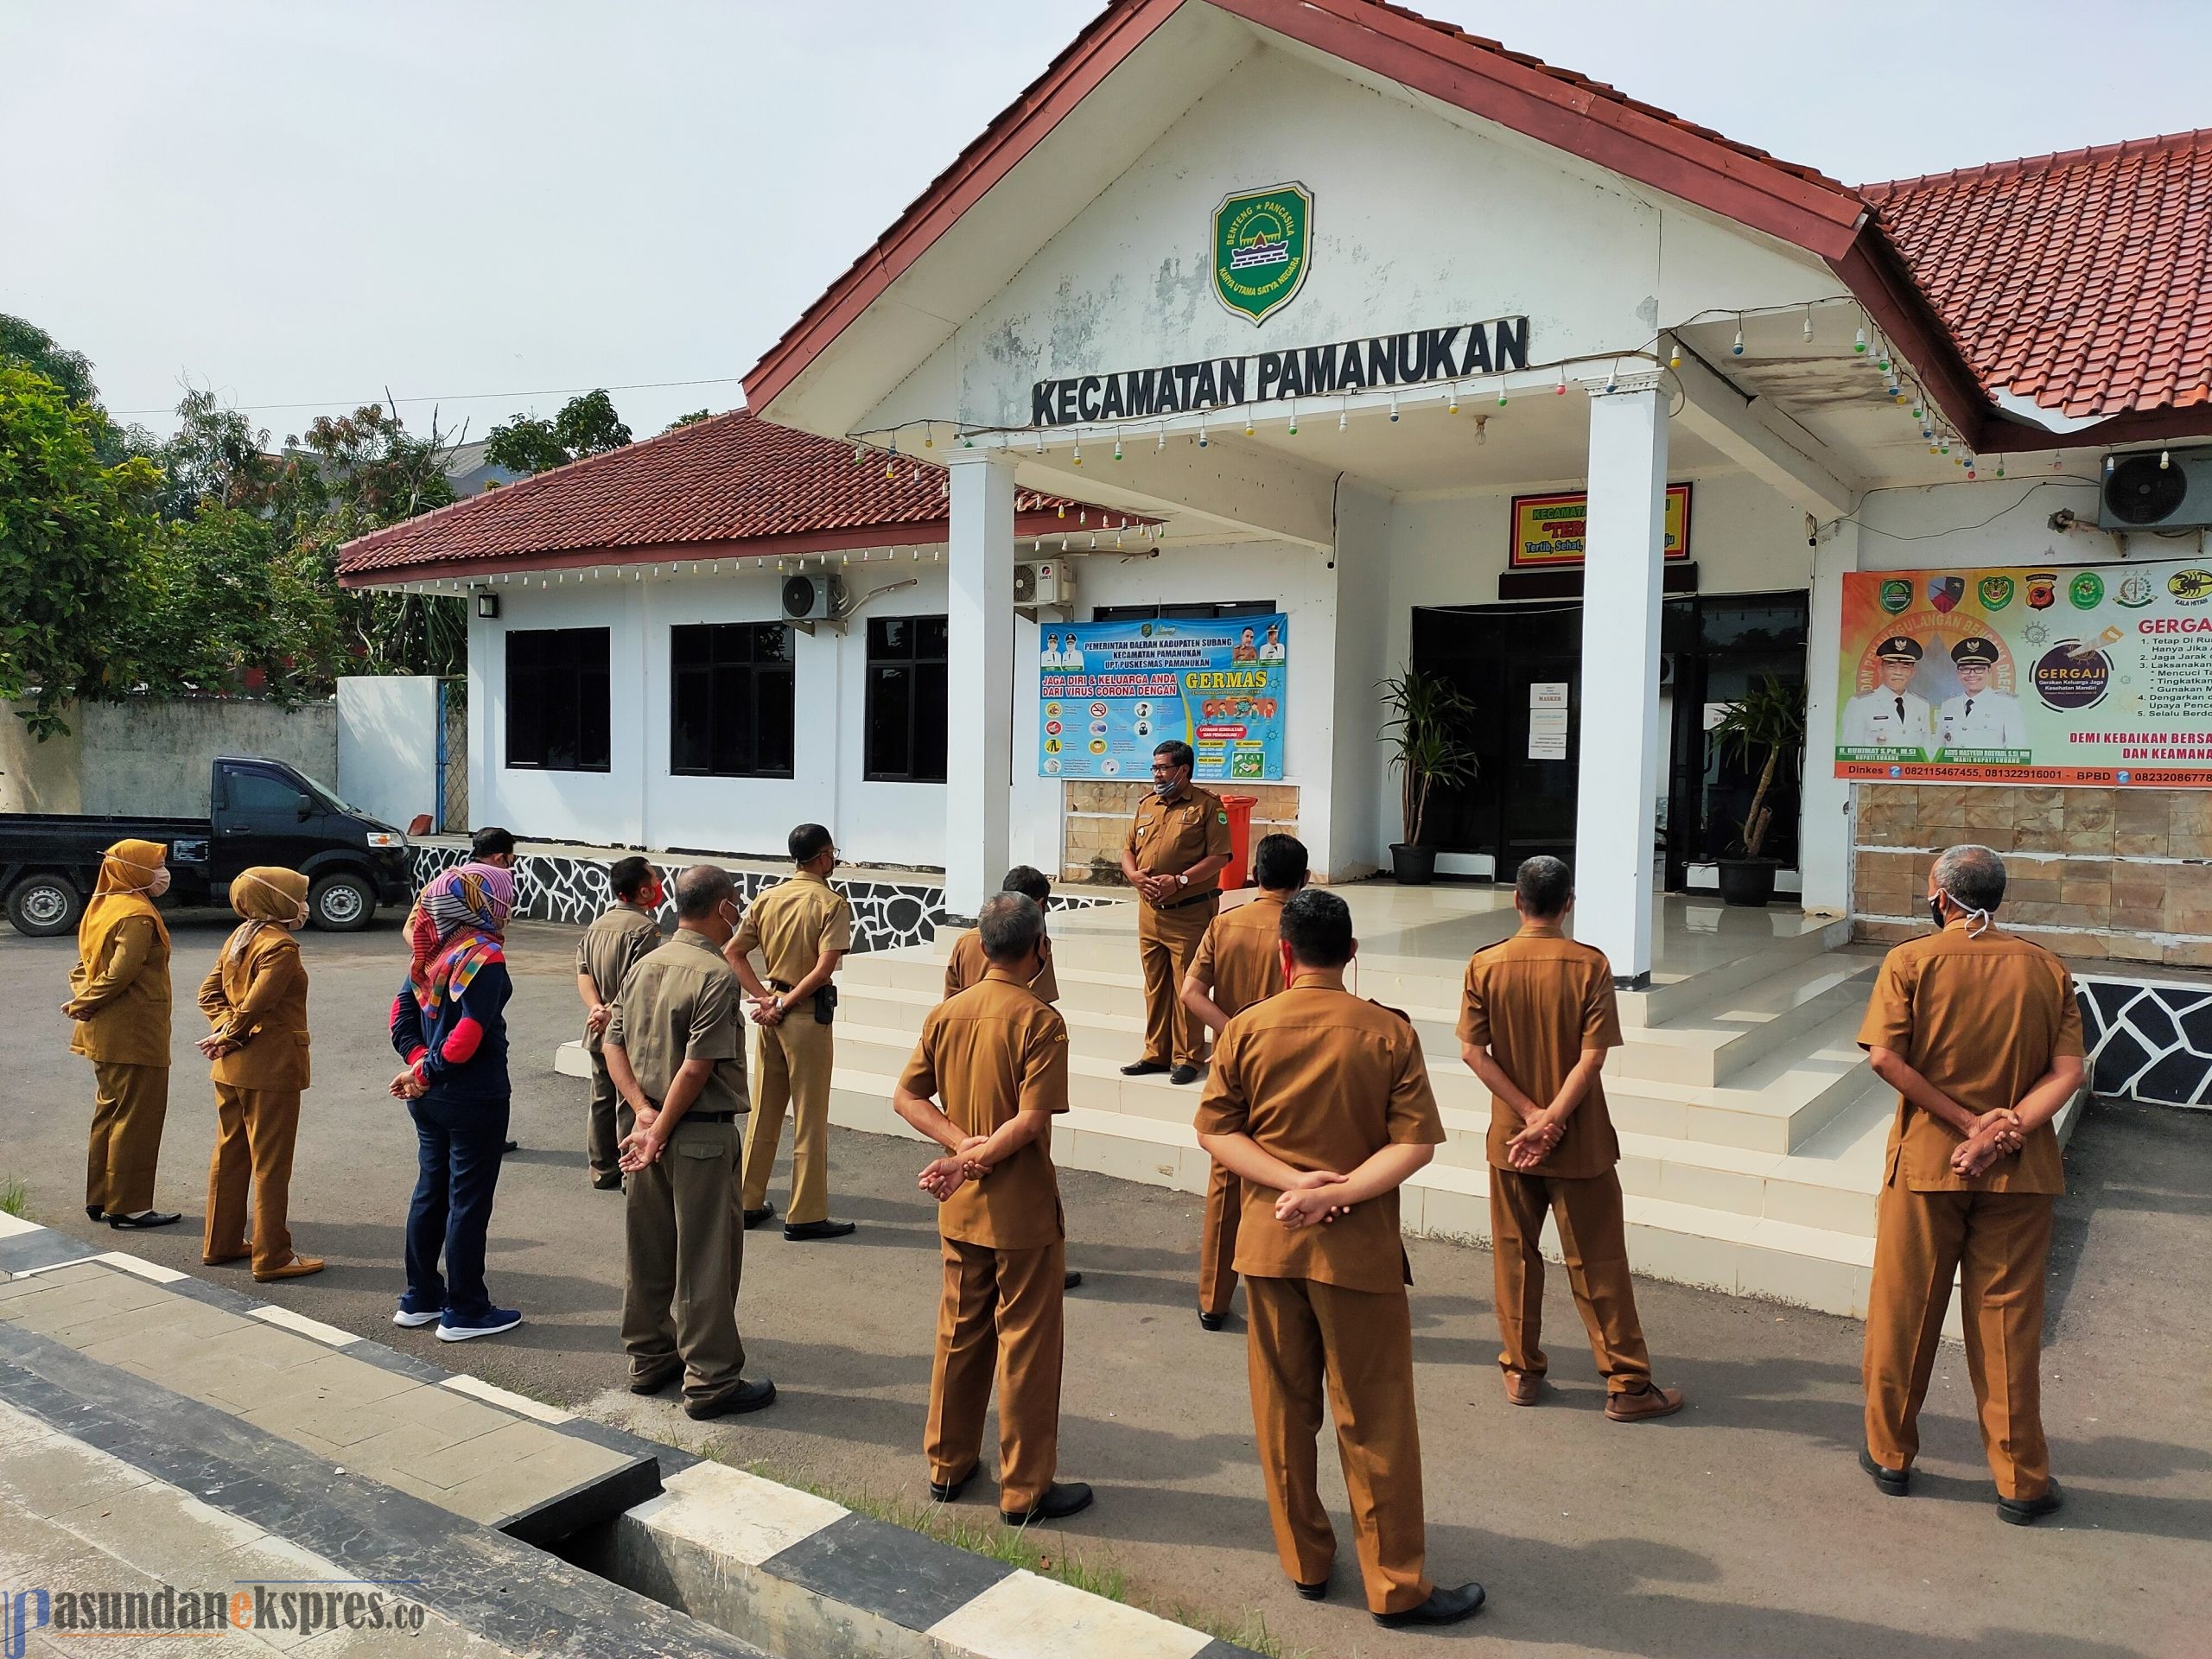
{"x": 587, "y": 425}
{"x": 72, "y": 530}
{"x": 28, "y": 346}
{"x": 692, "y": 419}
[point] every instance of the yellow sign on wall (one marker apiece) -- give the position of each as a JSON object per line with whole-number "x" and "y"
{"x": 1549, "y": 530}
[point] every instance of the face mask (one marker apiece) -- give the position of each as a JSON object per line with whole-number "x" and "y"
{"x": 159, "y": 884}
{"x": 1164, "y": 788}
{"x": 301, "y": 919}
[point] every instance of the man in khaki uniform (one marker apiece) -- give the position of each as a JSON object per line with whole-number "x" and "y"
{"x": 998, "y": 1056}
{"x": 1536, "y": 1015}
{"x": 1980, "y": 1035}
{"x": 802, "y": 929}
{"x": 1239, "y": 963}
{"x": 675, "y": 1046}
{"x": 1320, "y": 1105}
{"x": 1177, "y": 846}
{"x": 967, "y": 964}
{"x": 614, "y": 943}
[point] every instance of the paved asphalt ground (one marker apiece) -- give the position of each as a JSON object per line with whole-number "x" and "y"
{"x": 1740, "y": 1529}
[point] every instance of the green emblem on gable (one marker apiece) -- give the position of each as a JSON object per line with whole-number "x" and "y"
{"x": 1262, "y": 243}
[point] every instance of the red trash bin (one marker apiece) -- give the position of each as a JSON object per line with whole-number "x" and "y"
{"x": 1239, "y": 808}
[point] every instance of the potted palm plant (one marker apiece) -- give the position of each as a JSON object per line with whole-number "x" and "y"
{"x": 1428, "y": 716}
{"x": 1766, "y": 730}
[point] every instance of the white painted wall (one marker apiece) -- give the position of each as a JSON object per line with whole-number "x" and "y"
{"x": 388, "y": 745}
{"x": 1418, "y": 221}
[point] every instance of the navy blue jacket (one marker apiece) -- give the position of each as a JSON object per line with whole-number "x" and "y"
{"x": 462, "y": 1055}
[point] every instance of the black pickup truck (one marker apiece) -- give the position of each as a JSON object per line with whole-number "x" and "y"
{"x": 259, "y": 812}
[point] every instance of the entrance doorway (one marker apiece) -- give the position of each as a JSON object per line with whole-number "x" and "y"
{"x": 1516, "y": 662}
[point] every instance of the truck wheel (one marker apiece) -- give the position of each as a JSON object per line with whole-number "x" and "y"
{"x": 341, "y": 904}
{"x": 43, "y": 905}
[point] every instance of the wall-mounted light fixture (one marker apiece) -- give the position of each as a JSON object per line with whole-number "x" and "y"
{"x": 487, "y": 606}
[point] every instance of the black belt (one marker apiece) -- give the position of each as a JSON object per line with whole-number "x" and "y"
{"x": 778, "y": 985}
{"x": 1195, "y": 899}
{"x": 708, "y": 1117}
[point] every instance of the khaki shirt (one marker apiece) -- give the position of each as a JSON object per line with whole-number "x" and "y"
{"x": 967, "y": 964}
{"x": 792, "y": 924}
{"x": 614, "y": 943}
{"x": 268, "y": 1021}
{"x": 1538, "y": 1001}
{"x": 130, "y": 995}
{"x": 1240, "y": 959}
{"x": 989, "y": 1052}
{"x": 1167, "y": 838}
{"x": 1981, "y": 1017}
{"x": 1321, "y": 1080}
{"x": 683, "y": 1003}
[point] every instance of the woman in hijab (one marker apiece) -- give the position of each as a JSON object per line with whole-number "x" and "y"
{"x": 120, "y": 1000}
{"x": 448, "y": 1024}
{"x": 255, "y": 999}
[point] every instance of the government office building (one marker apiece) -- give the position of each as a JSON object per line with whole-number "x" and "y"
{"x": 1433, "y": 357}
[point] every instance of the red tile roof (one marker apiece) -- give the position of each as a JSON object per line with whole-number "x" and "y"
{"x": 2082, "y": 281}
{"x": 741, "y": 486}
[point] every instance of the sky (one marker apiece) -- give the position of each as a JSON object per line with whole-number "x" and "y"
{"x": 492, "y": 204}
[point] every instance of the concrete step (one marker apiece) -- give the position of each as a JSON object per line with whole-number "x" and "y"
{"x": 1722, "y": 1039}
{"x": 1676, "y": 997}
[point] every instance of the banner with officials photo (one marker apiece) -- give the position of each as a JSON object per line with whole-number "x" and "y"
{"x": 1111, "y": 690}
{"x": 2051, "y": 674}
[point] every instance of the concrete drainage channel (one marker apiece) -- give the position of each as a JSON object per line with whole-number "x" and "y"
{"x": 384, "y": 1467}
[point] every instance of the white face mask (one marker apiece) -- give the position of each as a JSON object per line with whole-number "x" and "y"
{"x": 1165, "y": 788}
{"x": 159, "y": 884}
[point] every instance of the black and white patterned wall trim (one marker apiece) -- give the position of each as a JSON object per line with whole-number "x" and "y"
{"x": 885, "y": 915}
{"x": 2148, "y": 1040}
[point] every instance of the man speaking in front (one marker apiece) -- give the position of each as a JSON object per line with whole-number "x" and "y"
{"x": 1173, "y": 857}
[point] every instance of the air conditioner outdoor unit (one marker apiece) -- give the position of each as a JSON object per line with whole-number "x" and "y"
{"x": 2157, "y": 489}
{"x": 812, "y": 599}
{"x": 1050, "y": 582}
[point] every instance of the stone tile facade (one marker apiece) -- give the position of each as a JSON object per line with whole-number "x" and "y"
{"x": 2117, "y": 875}
{"x": 1097, "y": 815}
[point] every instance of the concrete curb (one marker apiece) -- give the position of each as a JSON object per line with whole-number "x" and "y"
{"x": 796, "y": 1573}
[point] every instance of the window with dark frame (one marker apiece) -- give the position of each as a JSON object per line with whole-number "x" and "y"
{"x": 906, "y": 700}
{"x": 557, "y": 715}
{"x": 730, "y": 700}
{"x": 1201, "y": 611}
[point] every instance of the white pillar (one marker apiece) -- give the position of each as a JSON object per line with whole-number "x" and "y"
{"x": 1619, "y": 777}
{"x": 979, "y": 596}
{"x": 1825, "y": 823}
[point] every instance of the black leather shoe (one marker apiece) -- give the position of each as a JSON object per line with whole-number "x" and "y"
{"x": 93, "y": 1212}
{"x": 1443, "y": 1607}
{"x": 1062, "y": 1498}
{"x": 1073, "y": 1281}
{"x": 655, "y": 1382}
{"x": 610, "y": 1182}
{"x": 746, "y": 1396}
{"x": 1212, "y": 1321}
{"x": 754, "y": 1217}
{"x": 807, "y": 1232}
{"x": 143, "y": 1220}
{"x": 2026, "y": 1511}
{"x": 1183, "y": 1074}
{"x": 1894, "y": 1482}
{"x": 948, "y": 1491}
{"x": 1141, "y": 1068}
{"x": 1312, "y": 1591}
{"x": 509, "y": 1145}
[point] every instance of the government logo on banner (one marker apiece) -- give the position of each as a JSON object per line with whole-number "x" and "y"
{"x": 1262, "y": 245}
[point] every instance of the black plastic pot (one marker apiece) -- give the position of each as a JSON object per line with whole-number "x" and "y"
{"x": 1413, "y": 866}
{"x": 1748, "y": 882}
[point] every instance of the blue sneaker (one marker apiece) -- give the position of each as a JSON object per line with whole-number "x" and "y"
{"x": 490, "y": 1323}
{"x": 412, "y": 1314}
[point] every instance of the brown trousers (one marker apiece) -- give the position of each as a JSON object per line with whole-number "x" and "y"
{"x": 130, "y": 1105}
{"x": 1362, "y": 1341}
{"x": 1218, "y": 1242}
{"x": 1998, "y": 1244}
{"x": 1593, "y": 1237}
{"x": 793, "y": 1062}
{"x": 1167, "y": 943}
{"x": 685, "y": 1244}
{"x": 609, "y": 1118}
{"x": 254, "y": 1132}
{"x": 1002, "y": 1313}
